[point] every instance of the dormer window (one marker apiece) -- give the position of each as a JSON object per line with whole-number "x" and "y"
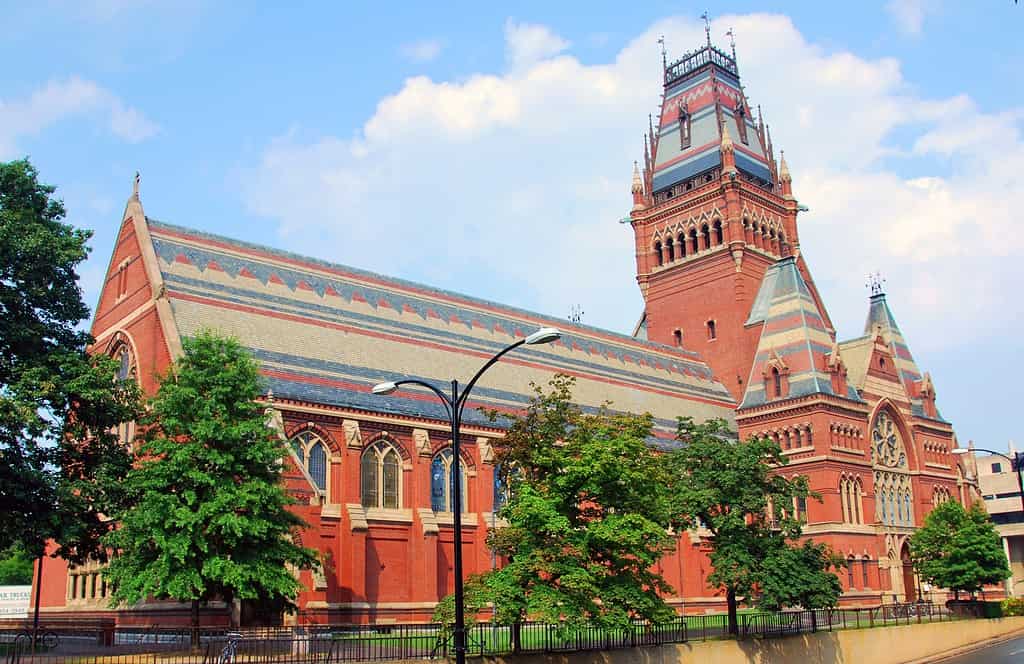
{"x": 684, "y": 127}
{"x": 678, "y": 337}
{"x": 741, "y": 122}
{"x": 712, "y": 332}
{"x": 777, "y": 382}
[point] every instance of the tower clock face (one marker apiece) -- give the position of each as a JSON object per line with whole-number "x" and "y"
{"x": 886, "y": 443}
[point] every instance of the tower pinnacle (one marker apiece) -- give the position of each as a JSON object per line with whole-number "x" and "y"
{"x": 637, "y": 189}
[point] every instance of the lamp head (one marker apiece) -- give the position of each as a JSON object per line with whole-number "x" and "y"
{"x": 544, "y": 335}
{"x": 960, "y": 450}
{"x": 384, "y": 388}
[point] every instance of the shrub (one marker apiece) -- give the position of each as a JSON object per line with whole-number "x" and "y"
{"x": 1013, "y": 606}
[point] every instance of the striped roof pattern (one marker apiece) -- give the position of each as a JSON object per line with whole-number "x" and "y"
{"x": 326, "y": 333}
{"x": 697, "y": 92}
{"x": 880, "y": 316}
{"x": 793, "y": 336}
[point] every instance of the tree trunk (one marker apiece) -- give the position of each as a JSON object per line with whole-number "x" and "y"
{"x": 730, "y": 598}
{"x": 195, "y": 625}
{"x": 517, "y": 628}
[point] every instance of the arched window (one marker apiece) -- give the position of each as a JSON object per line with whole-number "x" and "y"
{"x": 312, "y": 454}
{"x": 717, "y": 228}
{"x": 380, "y": 476}
{"x": 657, "y": 253}
{"x": 442, "y": 482}
{"x": 849, "y": 571}
{"x": 712, "y": 332}
{"x": 705, "y": 237}
{"x": 777, "y": 382}
{"x": 865, "y": 562}
{"x": 858, "y": 500}
{"x": 693, "y": 241}
{"x": 670, "y": 250}
{"x": 682, "y": 245}
{"x": 761, "y": 237}
{"x": 909, "y": 520}
{"x": 122, "y": 354}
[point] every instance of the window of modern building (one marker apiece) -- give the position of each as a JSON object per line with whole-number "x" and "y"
{"x": 997, "y": 467}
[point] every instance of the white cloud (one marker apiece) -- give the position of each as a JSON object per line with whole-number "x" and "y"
{"x": 424, "y": 50}
{"x": 59, "y": 100}
{"x": 527, "y": 43}
{"x": 909, "y": 15}
{"x": 510, "y": 185}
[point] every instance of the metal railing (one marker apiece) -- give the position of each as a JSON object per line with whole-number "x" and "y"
{"x": 94, "y": 643}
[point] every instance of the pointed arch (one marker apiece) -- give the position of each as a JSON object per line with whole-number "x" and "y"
{"x": 380, "y": 475}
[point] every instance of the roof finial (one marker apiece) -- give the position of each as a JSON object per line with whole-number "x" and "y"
{"x": 876, "y": 283}
{"x": 707, "y": 26}
{"x": 638, "y": 185}
{"x": 732, "y": 44}
{"x": 784, "y": 168}
{"x": 135, "y": 186}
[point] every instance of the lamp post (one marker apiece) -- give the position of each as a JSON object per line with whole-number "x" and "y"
{"x": 454, "y": 404}
{"x": 1014, "y": 463}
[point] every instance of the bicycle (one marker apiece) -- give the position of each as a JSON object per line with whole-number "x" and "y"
{"x": 230, "y": 651}
{"x": 44, "y": 639}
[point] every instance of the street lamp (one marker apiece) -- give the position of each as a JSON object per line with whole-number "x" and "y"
{"x": 1013, "y": 464}
{"x": 454, "y": 404}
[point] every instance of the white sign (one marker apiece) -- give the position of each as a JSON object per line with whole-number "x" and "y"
{"x": 14, "y": 601}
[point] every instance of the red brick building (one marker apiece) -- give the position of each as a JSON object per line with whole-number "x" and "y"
{"x": 733, "y": 327}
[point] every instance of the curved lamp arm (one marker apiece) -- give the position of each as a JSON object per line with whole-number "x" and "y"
{"x": 448, "y": 405}
{"x": 461, "y": 405}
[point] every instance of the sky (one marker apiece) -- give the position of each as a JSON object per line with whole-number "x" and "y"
{"x": 487, "y": 148}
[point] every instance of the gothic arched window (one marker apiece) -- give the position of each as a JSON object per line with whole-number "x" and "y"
{"x": 312, "y": 454}
{"x": 122, "y": 354}
{"x": 442, "y": 482}
{"x": 380, "y": 476}
{"x": 657, "y": 253}
{"x": 717, "y": 228}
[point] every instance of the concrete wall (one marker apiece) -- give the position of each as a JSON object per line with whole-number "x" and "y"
{"x": 881, "y": 645}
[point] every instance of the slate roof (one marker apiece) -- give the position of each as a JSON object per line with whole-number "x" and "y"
{"x": 326, "y": 333}
{"x": 696, "y": 82}
{"x": 857, "y": 353}
{"x": 794, "y": 332}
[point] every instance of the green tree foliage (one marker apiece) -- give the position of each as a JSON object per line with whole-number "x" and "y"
{"x": 587, "y": 518}
{"x": 15, "y": 567}
{"x": 61, "y": 461}
{"x": 206, "y": 512}
{"x": 799, "y": 575}
{"x": 731, "y": 488}
{"x": 959, "y": 549}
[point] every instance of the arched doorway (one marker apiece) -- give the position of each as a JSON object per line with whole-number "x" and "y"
{"x": 909, "y": 587}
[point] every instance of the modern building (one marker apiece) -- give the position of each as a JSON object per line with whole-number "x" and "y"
{"x": 1000, "y": 489}
{"x": 733, "y": 326}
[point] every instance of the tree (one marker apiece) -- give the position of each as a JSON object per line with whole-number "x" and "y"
{"x": 587, "y": 517}
{"x": 800, "y": 575}
{"x": 15, "y": 567}
{"x": 732, "y": 489}
{"x": 206, "y": 511}
{"x": 959, "y": 549}
{"x": 58, "y": 405}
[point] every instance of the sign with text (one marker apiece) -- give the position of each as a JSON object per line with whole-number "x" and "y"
{"x": 14, "y": 601}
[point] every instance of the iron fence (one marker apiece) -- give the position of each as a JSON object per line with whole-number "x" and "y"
{"x": 103, "y": 643}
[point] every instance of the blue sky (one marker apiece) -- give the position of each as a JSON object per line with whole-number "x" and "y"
{"x": 487, "y": 148}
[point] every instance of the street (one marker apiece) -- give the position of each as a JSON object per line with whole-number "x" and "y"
{"x": 1000, "y": 653}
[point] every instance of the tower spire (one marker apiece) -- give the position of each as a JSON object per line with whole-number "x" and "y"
{"x": 637, "y": 189}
